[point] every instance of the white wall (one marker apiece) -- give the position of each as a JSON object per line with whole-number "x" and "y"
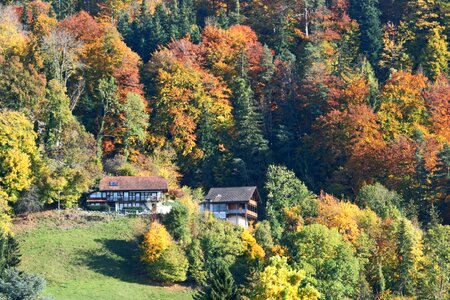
{"x": 238, "y": 220}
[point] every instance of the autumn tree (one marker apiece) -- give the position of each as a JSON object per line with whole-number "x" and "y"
{"x": 22, "y": 87}
{"x": 437, "y": 97}
{"x": 394, "y": 56}
{"x": 279, "y": 280}
{"x": 12, "y": 37}
{"x": 164, "y": 259}
{"x": 402, "y": 104}
{"x": 19, "y": 156}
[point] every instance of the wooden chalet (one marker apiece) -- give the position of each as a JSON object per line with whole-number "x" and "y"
{"x": 238, "y": 205}
{"x": 120, "y": 192}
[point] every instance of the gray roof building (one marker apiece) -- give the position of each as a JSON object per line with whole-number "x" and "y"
{"x": 232, "y": 194}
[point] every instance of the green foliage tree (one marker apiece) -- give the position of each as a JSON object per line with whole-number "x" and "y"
{"x": 171, "y": 266}
{"x": 135, "y": 121}
{"x": 435, "y": 280}
{"x": 221, "y": 285}
{"x": 220, "y": 242}
{"x": 177, "y": 222}
{"x": 441, "y": 176}
{"x": 284, "y": 190}
{"x": 406, "y": 266}
{"x": 263, "y": 235}
{"x": 196, "y": 269}
{"x": 382, "y": 201}
{"x": 329, "y": 262}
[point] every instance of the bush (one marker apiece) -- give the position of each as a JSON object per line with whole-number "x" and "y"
{"x": 102, "y": 207}
{"x": 9, "y": 252}
{"x": 171, "y": 266}
{"x": 15, "y": 285}
{"x": 177, "y": 222}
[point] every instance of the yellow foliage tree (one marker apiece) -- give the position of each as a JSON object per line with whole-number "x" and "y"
{"x": 156, "y": 240}
{"x": 18, "y": 153}
{"x": 402, "y": 104}
{"x": 12, "y": 39}
{"x": 279, "y": 281}
{"x": 5, "y": 219}
{"x": 253, "y": 250}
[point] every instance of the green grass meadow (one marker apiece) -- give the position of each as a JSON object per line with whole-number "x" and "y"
{"x": 90, "y": 259}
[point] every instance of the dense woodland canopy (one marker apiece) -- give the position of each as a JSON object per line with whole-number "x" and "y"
{"x": 353, "y": 96}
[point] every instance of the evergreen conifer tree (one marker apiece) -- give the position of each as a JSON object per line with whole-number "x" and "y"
{"x": 9, "y": 252}
{"x": 406, "y": 263}
{"x": 367, "y": 13}
{"x": 441, "y": 176}
{"x": 251, "y": 145}
{"x": 221, "y": 287}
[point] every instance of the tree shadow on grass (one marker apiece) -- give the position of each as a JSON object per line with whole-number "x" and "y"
{"x": 118, "y": 259}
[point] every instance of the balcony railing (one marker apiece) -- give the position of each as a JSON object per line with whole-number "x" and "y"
{"x": 242, "y": 212}
{"x": 128, "y": 199}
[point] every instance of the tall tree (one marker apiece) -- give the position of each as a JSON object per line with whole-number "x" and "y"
{"x": 252, "y": 147}
{"x": 367, "y": 13}
{"x": 135, "y": 121}
{"x": 19, "y": 155}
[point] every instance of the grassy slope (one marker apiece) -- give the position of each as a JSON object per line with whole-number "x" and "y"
{"x": 90, "y": 260}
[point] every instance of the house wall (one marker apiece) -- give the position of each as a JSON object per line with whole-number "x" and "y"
{"x": 238, "y": 220}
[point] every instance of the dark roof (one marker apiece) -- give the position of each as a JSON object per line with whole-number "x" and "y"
{"x": 132, "y": 183}
{"x": 231, "y": 194}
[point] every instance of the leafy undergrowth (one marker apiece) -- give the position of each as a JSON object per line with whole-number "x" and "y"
{"x": 88, "y": 256}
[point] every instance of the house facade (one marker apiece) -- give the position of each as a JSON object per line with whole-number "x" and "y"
{"x": 120, "y": 192}
{"x": 237, "y": 205}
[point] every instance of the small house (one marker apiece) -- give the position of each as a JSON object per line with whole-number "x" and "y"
{"x": 238, "y": 205}
{"x": 122, "y": 192}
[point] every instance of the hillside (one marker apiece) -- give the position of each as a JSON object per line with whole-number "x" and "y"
{"x": 88, "y": 256}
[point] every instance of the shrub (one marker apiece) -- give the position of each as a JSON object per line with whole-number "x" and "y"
{"x": 9, "y": 252}
{"x": 156, "y": 240}
{"x": 164, "y": 259}
{"x": 15, "y": 285}
{"x": 171, "y": 266}
{"x": 177, "y": 222}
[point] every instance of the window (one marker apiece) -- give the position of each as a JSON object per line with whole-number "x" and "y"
{"x": 219, "y": 207}
{"x": 113, "y": 183}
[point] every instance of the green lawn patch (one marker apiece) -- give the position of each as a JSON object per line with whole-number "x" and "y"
{"x": 90, "y": 259}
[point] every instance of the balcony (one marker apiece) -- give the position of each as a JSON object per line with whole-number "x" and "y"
{"x": 242, "y": 211}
